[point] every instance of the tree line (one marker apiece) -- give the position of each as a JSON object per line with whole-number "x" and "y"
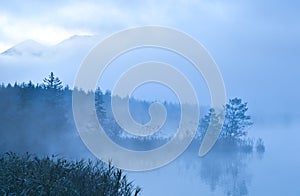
{"x": 29, "y": 112}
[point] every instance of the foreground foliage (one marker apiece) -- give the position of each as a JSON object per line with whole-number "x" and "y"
{"x": 31, "y": 175}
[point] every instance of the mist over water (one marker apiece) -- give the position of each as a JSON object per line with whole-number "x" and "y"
{"x": 278, "y": 171}
{"x": 274, "y": 172}
{"x": 32, "y": 124}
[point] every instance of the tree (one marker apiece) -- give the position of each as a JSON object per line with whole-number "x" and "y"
{"x": 53, "y": 100}
{"x": 236, "y": 119}
{"x": 100, "y": 110}
{"x": 212, "y": 118}
{"x": 52, "y": 82}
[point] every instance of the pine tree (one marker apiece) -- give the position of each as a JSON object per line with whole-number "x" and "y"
{"x": 212, "y": 119}
{"x": 52, "y": 82}
{"x": 236, "y": 119}
{"x": 99, "y": 104}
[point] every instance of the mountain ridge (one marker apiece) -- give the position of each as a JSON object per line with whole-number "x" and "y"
{"x": 26, "y": 47}
{"x": 33, "y": 48}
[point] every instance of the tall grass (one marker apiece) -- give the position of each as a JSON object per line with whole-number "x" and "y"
{"x": 31, "y": 175}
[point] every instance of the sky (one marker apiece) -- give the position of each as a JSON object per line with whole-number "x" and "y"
{"x": 53, "y": 21}
{"x": 256, "y": 44}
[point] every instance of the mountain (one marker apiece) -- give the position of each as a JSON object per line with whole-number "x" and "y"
{"x": 73, "y": 45}
{"x": 30, "y": 60}
{"x": 26, "y": 48}
{"x": 77, "y": 44}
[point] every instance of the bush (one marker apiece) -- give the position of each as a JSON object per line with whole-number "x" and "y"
{"x": 31, "y": 175}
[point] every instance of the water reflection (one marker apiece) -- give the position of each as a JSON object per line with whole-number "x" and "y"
{"x": 225, "y": 167}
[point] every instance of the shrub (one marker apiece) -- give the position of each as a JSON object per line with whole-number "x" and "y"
{"x": 31, "y": 175}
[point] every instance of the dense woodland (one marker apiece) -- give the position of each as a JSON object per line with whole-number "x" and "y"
{"x": 38, "y": 118}
{"x": 41, "y": 115}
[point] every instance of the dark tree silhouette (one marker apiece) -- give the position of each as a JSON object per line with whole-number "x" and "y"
{"x": 236, "y": 119}
{"x": 99, "y": 104}
{"x": 53, "y": 82}
{"x": 211, "y": 118}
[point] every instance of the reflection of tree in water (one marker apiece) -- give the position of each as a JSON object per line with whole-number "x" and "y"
{"x": 226, "y": 164}
{"x": 227, "y": 169}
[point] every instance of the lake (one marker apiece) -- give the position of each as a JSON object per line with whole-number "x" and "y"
{"x": 274, "y": 172}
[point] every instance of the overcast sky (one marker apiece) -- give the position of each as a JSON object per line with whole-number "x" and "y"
{"x": 255, "y": 43}
{"x": 52, "y": 21}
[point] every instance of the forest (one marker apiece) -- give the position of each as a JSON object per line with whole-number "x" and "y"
{"x": 37, "y": 119}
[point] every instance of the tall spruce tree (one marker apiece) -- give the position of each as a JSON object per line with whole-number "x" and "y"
{"x": 53, "y": 82}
